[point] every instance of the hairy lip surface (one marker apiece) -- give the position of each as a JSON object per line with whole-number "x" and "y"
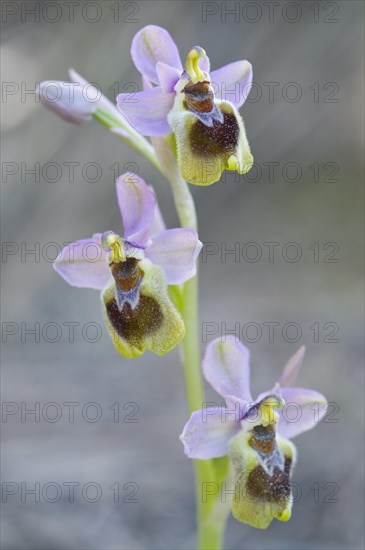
{"x": 134, "y": 325}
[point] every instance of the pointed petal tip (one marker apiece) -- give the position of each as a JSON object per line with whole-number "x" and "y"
{"x": 199, "y": 246}
{"x": 230, "y": 340}
{"x": 291, "y": 369}
{"x": 73, "y": 74}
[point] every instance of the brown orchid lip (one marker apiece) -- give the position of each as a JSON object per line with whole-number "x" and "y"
{"x": 132, "y": 322}
{"x": 216, "y": 141}
{"x": 270, "y": 488}
{"x": 133, "y": 325}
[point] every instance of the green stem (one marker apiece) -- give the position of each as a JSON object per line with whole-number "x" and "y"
{"x": 191, "y": 347}
{"x": 210, "y": 533}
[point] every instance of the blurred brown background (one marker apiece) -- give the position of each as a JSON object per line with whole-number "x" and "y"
{"x": 311, "y": 46}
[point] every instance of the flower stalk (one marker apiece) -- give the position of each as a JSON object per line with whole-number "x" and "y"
{"x": 210, "y": 531}
{"x": 127, "y": 134}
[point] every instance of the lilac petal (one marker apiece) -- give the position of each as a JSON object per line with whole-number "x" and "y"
{"x": 147, "y": 111}
{"x": 232, "y": 82}
{"x": 168, "y": 76}
{"x": 208, "y": 432}
{"x": 146, "y": 84}
{"x": 238, "y": 407}
{"x": 226, "y": 367}
{"x": 176, "y": 251}
{"x": 68, "y": 100}
{"x": 151, "y": 45}
{"x": 84, "y": 263}
{"x": 137, "y": 204}
{"x": 303, "y": 410}
{"x": 291, "y": 370}
{"x": 158, "y": 223}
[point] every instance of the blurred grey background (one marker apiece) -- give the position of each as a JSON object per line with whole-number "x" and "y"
{"x": 311, "y": 46}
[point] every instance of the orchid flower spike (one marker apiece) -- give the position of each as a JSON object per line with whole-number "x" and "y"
{"x": 192, "y": 103}
{"x": 133, "y": 271}
{"x": 255, "y": 434}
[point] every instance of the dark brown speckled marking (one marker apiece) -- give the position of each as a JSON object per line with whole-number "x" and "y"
{"x": 135, "y": 325}
{"x": 217, "y": 140}
{"x": 275, "y": 488}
